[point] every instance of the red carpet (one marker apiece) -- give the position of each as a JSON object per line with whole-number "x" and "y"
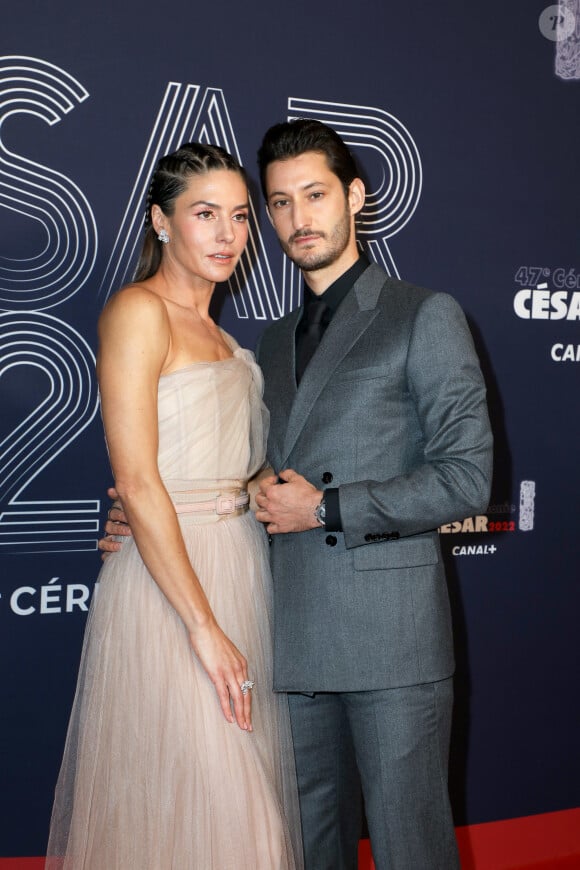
{"x": 547, "y": 842}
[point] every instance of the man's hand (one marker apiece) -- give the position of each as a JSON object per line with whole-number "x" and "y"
{"x": 287, "y": 507}
{"x": 116, "y": 525}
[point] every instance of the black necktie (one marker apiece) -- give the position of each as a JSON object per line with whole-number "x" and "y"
{"x": 311, "y": 334}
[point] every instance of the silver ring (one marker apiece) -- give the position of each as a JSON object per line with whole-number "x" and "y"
{"x": 246, "y": 686}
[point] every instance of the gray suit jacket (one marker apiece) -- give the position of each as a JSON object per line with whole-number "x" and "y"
{"x": 391, "y": 410}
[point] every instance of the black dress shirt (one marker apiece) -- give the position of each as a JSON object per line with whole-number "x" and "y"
{"x": 332, "y": 296}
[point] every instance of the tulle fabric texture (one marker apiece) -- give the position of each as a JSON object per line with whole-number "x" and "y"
{"x": 153, "y": 777}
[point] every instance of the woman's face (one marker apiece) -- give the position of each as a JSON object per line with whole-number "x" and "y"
{"x": 208, "y": 229}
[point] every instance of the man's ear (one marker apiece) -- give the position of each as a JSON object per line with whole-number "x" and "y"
{"x": 356, "y": 195}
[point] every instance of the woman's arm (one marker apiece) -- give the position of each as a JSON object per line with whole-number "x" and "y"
{"x": 134, "y": 341}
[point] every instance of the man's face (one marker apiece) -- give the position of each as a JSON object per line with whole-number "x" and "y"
{"x": 310, "y": 211}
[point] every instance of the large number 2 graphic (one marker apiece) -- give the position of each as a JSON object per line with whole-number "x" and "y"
{"x": 63, "y": 364}
{"x": 38, "y": 344}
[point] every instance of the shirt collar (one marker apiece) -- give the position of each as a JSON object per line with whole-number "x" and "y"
{"x": 334, "y": 294}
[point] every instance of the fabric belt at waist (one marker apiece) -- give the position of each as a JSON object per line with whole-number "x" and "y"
{"x": 222, "y": 505}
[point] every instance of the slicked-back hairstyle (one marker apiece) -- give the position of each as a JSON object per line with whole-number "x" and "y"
{"x": 293, "y": 138}
{"x": 170, "y": 179}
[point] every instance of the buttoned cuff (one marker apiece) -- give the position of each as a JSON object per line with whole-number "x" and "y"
{"x": 333, "y": 522}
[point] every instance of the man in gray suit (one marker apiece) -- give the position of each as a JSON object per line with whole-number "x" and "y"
{"x": 379, "y": 434}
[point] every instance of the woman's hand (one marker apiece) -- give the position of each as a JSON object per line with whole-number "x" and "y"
{"x": 227, "y": 669}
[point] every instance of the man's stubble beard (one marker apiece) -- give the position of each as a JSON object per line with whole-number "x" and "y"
{"x": 338, "y": 242}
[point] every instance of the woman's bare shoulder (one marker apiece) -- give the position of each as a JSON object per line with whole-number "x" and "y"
{"x": 136, "y": 303}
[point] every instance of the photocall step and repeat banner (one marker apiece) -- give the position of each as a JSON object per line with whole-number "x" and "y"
{"x": 465, "y": 122}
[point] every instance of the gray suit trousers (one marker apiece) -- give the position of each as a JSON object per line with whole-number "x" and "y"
{"x": 399, "y": 740}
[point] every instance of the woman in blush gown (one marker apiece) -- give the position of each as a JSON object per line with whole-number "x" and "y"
{"x": 178, "y": 754}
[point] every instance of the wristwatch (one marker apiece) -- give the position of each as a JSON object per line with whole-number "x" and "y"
{"x": 320, "y": 512}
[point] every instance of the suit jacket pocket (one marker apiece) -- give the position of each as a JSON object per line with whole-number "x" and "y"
{"x": 360, "y": 374}
{"x": 404, "y": 553}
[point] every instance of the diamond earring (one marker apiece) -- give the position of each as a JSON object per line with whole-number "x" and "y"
{"x": 163, "y": 236}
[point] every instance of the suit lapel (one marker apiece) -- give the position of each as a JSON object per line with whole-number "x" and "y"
{"x": 281, "y": 388}
{"x": 353, "y": 317}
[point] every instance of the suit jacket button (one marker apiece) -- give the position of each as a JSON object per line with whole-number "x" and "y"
{"x": 368, "y": 537}
{"x": 327, "y": 477}
{"x": 331, "y": 540}
{"x": 395, "y": 535}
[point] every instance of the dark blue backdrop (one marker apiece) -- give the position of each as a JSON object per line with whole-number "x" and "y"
{"x": 468, "y": 141}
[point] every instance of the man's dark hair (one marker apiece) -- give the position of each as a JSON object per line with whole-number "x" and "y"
{"x": 292, "y": 138}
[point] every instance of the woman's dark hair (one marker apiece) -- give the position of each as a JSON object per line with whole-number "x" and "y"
{"x": 169, "y": 180}
{"x": 292, "y": 138}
